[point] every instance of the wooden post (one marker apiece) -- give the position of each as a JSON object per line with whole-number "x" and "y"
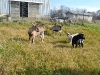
{"x": 8, "y": 17}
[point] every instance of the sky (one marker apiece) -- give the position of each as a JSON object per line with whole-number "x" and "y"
{"x": 89, "y": 5}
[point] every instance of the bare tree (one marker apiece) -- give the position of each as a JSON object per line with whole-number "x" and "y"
{"x": 98, "y": 14}
{"x": 54, "y": 12}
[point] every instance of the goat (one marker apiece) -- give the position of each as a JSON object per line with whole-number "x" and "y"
{"x": 78, "y": 40}
{"x": 56, "y": 29}
{"x": 36, "y": 31}
{"x": 70, "y": 36}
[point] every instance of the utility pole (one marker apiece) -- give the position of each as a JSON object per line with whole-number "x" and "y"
{"x": 83, "y": 18}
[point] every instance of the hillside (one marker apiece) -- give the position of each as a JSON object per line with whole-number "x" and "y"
{"x": 53, "y": 57}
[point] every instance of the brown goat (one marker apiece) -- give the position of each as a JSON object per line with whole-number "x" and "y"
{"x": 36, "y": 31}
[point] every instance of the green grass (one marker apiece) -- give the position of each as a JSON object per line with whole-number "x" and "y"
{"x": 53, "y": 57}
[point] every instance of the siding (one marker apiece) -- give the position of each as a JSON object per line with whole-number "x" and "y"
{"x": 88, "y": 18}
{"x": 44, "y": 7}
{"x": 33, "y": 10}
{"x": 79, "y": 17}
{"x": 5, "y": 7}
{"x": 34, "y": 1}
{"x": 15, "y": 9}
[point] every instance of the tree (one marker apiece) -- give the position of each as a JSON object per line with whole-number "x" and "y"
{"x": 53, "y": 13}
{"x": 98, "y": 14}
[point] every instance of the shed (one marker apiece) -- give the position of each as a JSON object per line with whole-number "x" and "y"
{"x": 79, "y": 16}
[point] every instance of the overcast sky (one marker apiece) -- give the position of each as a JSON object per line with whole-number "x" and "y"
{"x": 89, "y": 5}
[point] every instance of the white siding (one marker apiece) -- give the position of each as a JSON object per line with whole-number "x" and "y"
{"x": 15, "y": 9}
{"x": 44, "y": 8}
{"x": 78, "y": 17}
{"x": 5, "y": 7}
{"x": 33, "y": 10}
{"x": 86, "y": 17}
{"x": 34, "y": 1}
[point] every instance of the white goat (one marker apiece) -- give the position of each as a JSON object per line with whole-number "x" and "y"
{"x": 70, "y": 36}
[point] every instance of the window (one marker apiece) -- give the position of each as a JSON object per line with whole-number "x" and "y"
{"x": 23, "y": 9}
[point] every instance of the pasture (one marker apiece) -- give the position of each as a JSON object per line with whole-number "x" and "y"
{"x": 54, "y": 56}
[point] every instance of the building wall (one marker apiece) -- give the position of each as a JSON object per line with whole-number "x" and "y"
{"x": 78, "y": 17}
{"x": 15, "y": 9}
{"x": 86, "y": 17}
{"x": 89, "y": 18}
{"x": 33, "y": 9}
{"x": 5, "y": 7}
{"x": 71, "y": 17}
{"x": 44, "y": 8}
{"x": 34, "y": 1}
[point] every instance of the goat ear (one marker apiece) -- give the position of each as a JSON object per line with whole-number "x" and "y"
{"x": 33, "y": 24}
{"x": 68, "y": 33}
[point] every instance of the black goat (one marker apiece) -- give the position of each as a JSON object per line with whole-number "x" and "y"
{"x": 78, "y": 40}
{"x": 56, "y": 29}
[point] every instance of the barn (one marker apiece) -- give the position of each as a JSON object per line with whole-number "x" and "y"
{"x": 18, "y": 9}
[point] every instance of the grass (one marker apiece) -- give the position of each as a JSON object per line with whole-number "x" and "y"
{"x": 53, "y": 57}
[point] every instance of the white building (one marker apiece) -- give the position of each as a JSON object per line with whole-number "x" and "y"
{"x": 25, "y": 8}
{"x": 79, "y": 16}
